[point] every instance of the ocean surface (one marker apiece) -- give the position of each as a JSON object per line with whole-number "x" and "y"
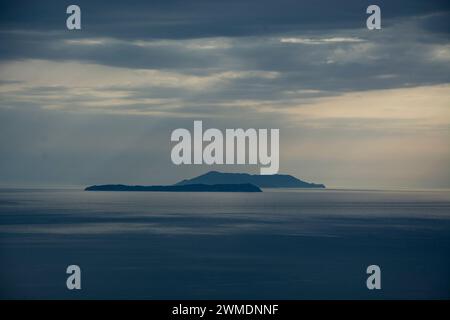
{"x": 279, "y": 244}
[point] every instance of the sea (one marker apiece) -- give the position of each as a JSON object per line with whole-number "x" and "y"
{"x": 278, "y": 244}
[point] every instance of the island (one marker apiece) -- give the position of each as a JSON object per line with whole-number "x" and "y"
{"x": 215, "y": 181}
{"x": 261, "y": 181}
{"x": 243, "y": 187}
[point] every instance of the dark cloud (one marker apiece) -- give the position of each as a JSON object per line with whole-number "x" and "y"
{"x": 140, "y": 35}
{"x": 438, "y": 23}
{"x": 205, "y": 18}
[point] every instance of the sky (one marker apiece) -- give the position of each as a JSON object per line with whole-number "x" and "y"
{"x": 356, "y": 108}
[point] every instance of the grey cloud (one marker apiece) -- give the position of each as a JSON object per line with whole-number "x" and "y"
{"x": 204, "y": 18}
{"x": 399, "y": 56}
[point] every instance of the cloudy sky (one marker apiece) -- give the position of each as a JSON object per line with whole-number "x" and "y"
{"x": 355, "y": 107}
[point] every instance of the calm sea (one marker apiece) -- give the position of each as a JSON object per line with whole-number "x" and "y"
{"x": 279, "y": 244}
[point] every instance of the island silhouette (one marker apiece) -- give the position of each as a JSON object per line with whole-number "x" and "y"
{"x": 215, "y": 181}
{"x": 245, "y": 187}
{"x": 262, "y": 181}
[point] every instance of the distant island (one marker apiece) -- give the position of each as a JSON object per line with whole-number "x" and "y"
{"x": 244, "y": 187}
{"x": 215, "y": 181}
{"x": 262, "y": 181}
